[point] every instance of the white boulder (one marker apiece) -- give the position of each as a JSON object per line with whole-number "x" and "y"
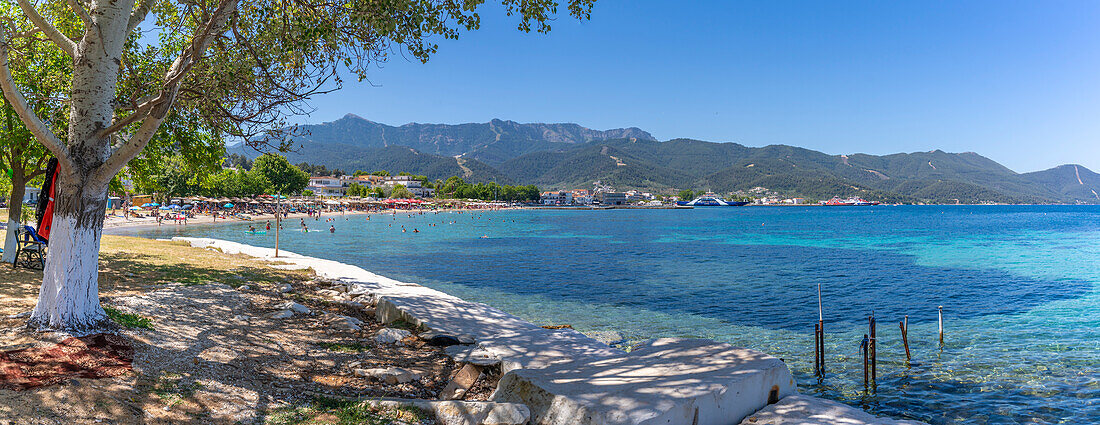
{"x": 391, "y": 335}
{"x": 281, "y": 314}
{"x": 295, "y": 307}
{"x": 389, "y": 375}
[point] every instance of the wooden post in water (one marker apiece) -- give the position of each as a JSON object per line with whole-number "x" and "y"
{"x": 817, "y": 349}
{"x": 941, "y": 328}
{"x": 905, "y": 338}
{"x": 821, "y": 345}
{"x": 820, "y": 333}
{"x": 863, "y": 348}
{"x": 872, "y": 347}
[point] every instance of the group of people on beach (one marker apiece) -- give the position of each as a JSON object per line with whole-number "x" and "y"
{"x": 316, "y": 215}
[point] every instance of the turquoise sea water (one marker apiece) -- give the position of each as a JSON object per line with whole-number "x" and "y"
{"x": 1020, "y": 286}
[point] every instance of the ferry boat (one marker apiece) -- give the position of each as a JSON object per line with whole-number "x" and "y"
{"x": 710, "y": 200}
{"x": 853, "y": 201}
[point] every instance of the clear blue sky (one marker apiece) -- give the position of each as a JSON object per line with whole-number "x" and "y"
{"x": 1017, "y": 81}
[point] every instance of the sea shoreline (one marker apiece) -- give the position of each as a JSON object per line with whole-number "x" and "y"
{"x": 115, "y": 224}
{"x": 523, "y": 346}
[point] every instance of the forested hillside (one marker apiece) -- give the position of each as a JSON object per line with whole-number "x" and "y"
{"x": 567, "y": 156}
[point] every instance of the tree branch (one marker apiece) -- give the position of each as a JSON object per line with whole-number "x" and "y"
{"x": 38, "y": 172}
{"x": 79, "y": 10}
{"x": 139, "y": 14}
{"x": 159, "y": 107}
{"x": 139, "y": 113}
{"x": 19, "y": 103}
{"x": 63, "y": 42}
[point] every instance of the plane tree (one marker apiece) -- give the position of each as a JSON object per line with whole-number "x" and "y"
{"x": 243, "y": 66}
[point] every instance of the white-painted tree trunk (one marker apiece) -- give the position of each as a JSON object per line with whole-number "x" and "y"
{"x": 15, "y": 212}
{"x": 10, "y": 241}
{"x": 69, "y": 298}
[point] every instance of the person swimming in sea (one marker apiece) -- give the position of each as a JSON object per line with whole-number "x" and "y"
{"x": 268, "y": 225}
{"x": 415, "y": 230}
{"x": 251, "y": 229}
{"x": 332, "y": 229}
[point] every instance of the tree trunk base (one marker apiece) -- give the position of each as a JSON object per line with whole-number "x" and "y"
{"x": 69, "y": 298}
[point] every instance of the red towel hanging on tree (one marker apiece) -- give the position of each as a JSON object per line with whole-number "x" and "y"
{"x": 45, "y": 201}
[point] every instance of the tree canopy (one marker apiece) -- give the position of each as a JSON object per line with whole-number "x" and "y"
{"x": 283, "y": 177}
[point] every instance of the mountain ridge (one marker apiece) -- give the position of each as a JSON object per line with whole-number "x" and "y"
{"x": 567, "y": 155}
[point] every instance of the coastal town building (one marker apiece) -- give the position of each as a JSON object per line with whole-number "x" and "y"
{"x": 582, "y": 197}
{"x": 338, "y": 186}
{"x": 637, "y": 196}
{"x": 560, "y": 197}
{"x": 612, "y": 198}
{"x": 367, "y": 180}
{"x": 327, "y": 186}
{"x": 409, "y": 182}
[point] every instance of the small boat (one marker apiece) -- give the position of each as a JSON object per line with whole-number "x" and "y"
{"x": 854, "y": 201}
{"x": 710, "y": 200}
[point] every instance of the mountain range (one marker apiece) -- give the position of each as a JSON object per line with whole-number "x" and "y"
{"x": 567, "y": 156}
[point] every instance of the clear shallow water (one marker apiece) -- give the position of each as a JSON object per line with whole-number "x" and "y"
{"x": 1020, "y": 286}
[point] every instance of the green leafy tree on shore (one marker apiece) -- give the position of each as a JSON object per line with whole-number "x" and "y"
{"x": 400, "y": 192}
{"x": 284, "y": 178}
{"x": 234, "y": 183}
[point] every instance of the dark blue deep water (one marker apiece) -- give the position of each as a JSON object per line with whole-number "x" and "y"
{"x": 1020, "y": 286}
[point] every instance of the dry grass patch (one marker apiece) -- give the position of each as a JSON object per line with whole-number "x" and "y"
{"x": 129, "y": 265}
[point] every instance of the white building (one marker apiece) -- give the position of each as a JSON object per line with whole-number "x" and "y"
{"x": 411, "y": 184}
{"x": 31, "y": 194}
{"x": 326, "y": 186}
{"x": 556, "y": 198}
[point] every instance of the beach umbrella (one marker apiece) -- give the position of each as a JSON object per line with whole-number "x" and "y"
{"x": 135, "y": 208}
{"x": 188, "y": 206}
{"x": 148, "y": 204}
{"x": 163, "y": 208}
{"x": 228, "y": 205}
{"x": 175, "y": 207}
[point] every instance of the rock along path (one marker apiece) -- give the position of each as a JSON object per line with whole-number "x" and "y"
{"x": 565, "y": 377}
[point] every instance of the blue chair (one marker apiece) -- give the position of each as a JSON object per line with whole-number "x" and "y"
{"x": 30, "y": 250}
